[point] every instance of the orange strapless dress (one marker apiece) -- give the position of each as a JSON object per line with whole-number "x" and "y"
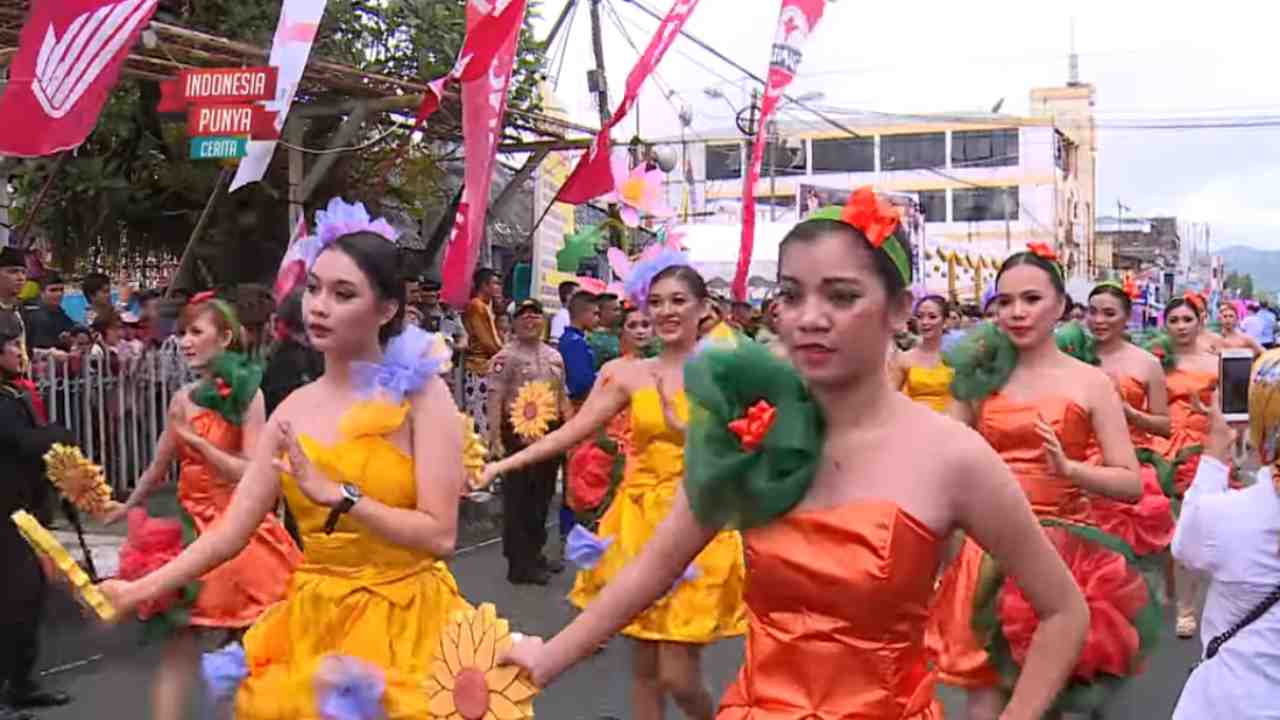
{"x": 1189, "y": 427}
{"x": 837, "y": 601}
{"x": 235, "y": 593}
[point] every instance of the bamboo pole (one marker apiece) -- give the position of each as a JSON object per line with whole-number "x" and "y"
{"x": 219, "y": 189}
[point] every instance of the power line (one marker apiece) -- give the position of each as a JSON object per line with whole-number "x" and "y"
{"x": 663, "y": 87}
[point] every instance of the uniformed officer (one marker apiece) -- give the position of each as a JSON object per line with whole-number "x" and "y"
{"x": 527, "y": 493}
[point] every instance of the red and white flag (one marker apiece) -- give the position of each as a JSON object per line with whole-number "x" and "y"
{"x": 490, "y": 26}
{"x": 593, "y": 175}
{"x": 796, "y": 21}
{"x": 69, "y": 57}
{"x": 484, "y": 103}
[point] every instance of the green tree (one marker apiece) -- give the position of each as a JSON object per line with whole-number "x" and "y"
{"x": 1241, "y": 283}
{"x": 130, "y": 196}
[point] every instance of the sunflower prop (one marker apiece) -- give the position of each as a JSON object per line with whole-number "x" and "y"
{"x": 466, "y": 682}
{"x": 79, "y": 480}
{"x": 533, "y": 410}
{"x": 753, "y": 439}
{"x": 474, "y": 452}
{"x": 43, "y": 542}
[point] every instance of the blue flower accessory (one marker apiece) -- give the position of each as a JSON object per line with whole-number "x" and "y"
{"x": 638, "y": 283}
{"x": 411, "y": 359}
{"x": 349, "y": 688}
{"x": 223, "y": 671}
{"x": 584, "y": 548}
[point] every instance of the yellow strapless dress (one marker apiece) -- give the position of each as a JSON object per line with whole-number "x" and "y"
{"x": 930, "y": 386}
{"x": 354, "y": 594}
{"x": 702, "y": 609}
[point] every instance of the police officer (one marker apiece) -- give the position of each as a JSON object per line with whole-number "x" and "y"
{"x": 526, "y": 493}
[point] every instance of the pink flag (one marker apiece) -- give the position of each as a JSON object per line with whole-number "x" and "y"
{"x": 795, "y": 22}
{"x": 484, "y": 102}
{"x": 593, "y": 176}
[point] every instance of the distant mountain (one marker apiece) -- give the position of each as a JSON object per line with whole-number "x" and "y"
{"x": 1263, "y": 265}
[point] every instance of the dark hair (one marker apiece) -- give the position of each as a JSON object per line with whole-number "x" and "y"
{"x": 254, "y": 304}
{"x": 379, "y": 260}
{"x": 686, "y": 275}
{"x": 566, "y": 291}
{"x": 812, "y": 229}
{"x": 93, "y": 284}
{"x": 1049, "y": 267}
{"x": 580, "y": 301}
{"x": 606, "y": 297}
{"x": 53, "y": 279}
{"x": 478, "y": 280}
{"x": 10, "y": 328}
{"x": 289, "y": 312}
{"x": 1178, "y": 302}
{"x": 106, "y": 319}
{"x": 1116, "y": 293}
{"x": 944, "y": 307}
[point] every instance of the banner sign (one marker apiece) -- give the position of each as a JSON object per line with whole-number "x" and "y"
{"x": 218, "y": 148}
{"x": 796, "y": 20}
{"x": 593, "y": 176}
{"x": 484, "y": 103}
{"x": 255, "y": 121}
{"x": 290, "y": 49}
{"x": 220, "y": 86}
{"x": 69, "y": 57}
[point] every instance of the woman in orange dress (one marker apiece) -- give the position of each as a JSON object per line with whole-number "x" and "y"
{"x": 1192, "y": 381}
{"x": 214, "y": 426}
{"x": 1040, "y": 416}
{"x": 1147, "y": 525}
{"x": 809, "y": 459}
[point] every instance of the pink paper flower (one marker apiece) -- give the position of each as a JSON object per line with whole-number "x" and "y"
{"x": 638, "y": 191}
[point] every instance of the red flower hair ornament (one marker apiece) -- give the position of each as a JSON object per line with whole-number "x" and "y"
{"x": 1042, "y": 251}
{"x": 752, "y": 428}
{"x": 876, "y": 219}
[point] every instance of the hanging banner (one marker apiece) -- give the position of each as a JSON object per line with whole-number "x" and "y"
{"x": 484, "y": 102}
{"x": 217, "y": 86}
{"x": 299, "y": 21}
{"x": 795, "y": 22}
{"x": 69, "y": 57}
{"x": 593, "y": 176}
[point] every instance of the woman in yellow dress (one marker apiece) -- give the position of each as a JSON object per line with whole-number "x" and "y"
{"x": 374, "y": 484}
{"x": 706, "y": 605}
{"x": 920, "y": 372}
{"x": 847, "y": 491}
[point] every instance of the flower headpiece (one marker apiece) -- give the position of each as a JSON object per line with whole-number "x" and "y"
{"x": 642, "y": 275}
{"x": 1129, "y": 289}
{"x": 1194, "y": 299}
{"x": 877, "y": 219}
{"x": 1048, "y": 254}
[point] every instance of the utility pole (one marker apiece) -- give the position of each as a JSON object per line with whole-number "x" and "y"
{"x": 598, "y": 82}
{"x": 771, "y": 149}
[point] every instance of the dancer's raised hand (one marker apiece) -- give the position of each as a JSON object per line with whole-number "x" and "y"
{"x": 312, "y": 482}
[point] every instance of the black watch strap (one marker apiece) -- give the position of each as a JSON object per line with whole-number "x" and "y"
{"x": 342, "y": 508}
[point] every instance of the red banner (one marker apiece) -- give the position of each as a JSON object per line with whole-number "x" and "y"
{"x": 232, "y": 120}
{"x": 217, "y": 86}
{"x": 490, "y": 25}
{"x": 795, "y": 22}
{"x": 69, "y": 57}
{"x": 484, "y": 102}
{"x": 593, "y": 175}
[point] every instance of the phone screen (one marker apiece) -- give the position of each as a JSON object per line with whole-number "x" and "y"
{"x": 1235, "y": 385}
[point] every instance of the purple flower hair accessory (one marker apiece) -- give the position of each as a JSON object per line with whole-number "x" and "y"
{"x": 409, "y": 361}
{"x": 337, "y": 219}
{"x": 349, "y": 688}
{"x": 642, "y": 275}
{"x": 584, "y": 548}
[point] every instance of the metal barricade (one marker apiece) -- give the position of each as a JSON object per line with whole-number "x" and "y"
{"x": 115, "y": 404}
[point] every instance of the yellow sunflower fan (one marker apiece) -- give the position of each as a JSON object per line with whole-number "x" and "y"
{"x": 533, "y": 410}
{"x": 466, "y": 682}
{"x": 474, "y": 452}
{"x": 46, "y": 544}
{"x": 79, "y": 480}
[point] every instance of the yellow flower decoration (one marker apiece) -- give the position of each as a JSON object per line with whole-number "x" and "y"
{"x": 533, "y": 410}
{"x": 466, "y": 682}
{"x": 78, "y": 479}
{"x": 474, "y": 452}
{"x": 43, "y": 542}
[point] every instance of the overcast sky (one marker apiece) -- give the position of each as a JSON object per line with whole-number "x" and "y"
{"x": 1148, "y": 60}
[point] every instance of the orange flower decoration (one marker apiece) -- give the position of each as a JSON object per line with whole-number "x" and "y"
{"x": 466, "y": 682}
{"x": 1194, "y": 299}
{"x": 1131, "y": 288}
{"x": 754, "y": 426}
{"x": 1043, "y": 251}
{"x": 875, "y": 217}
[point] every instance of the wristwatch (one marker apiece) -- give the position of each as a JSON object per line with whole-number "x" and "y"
{"x": 350, "y": 496}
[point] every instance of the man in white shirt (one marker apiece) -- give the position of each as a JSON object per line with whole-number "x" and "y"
{"x": 560, "y": 320}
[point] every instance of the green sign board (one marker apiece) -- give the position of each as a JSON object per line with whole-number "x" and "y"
{"x": 218, "y": 148}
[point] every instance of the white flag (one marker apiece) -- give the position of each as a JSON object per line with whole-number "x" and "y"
{"x": 299, "y": 20}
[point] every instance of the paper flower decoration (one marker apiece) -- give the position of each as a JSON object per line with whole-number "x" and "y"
{"x": 533, "y": 410}
{"x": 44, "y": 543}
{"x": 637, "y": 191}
{"x": 874, "y": 216}
{"x": 223, "y": 671}
{"x": 474, "y": 452}
{"x": 411, "y": 359}
{"x": 150, "y": 544}
{"x": 349, "y": 688}
{"x": 1043, "y": 251}
{"x": 78, "y": 479}
{"x": 580, "y": 245}
{"x": 584, "y": 548}
{"x": 752, "y": 427}
{"x": 466, "y": 682}
{"x": 983, "y": 360}
{"x": 231, "y": 387}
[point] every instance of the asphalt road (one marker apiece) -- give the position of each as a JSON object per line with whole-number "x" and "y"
{"x": 109, "y": 671}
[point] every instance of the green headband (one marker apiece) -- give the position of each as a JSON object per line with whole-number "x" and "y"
{"x": 223, "y": 308}
{"x": 892, "y": 245}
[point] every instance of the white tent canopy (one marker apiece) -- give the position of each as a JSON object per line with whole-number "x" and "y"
{"x": 713, "y": 250}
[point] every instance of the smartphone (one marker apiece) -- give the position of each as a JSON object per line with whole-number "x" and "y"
{"x": 1234, "y": 371}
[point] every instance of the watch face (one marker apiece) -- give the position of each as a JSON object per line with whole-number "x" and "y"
{"x": 351, "y": 492}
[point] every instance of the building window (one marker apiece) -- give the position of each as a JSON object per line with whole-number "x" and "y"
{"x": 986, "y": 203}
{"x": 984, "y": 148}
{"x": 933, "y": 203}
{"x": 724, "y": 161}
{"x": 784, "y": 158}
{"x": 844, "y": 155}
{"x": 1063, "y": 152}
{"x": 913, "y": 151}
